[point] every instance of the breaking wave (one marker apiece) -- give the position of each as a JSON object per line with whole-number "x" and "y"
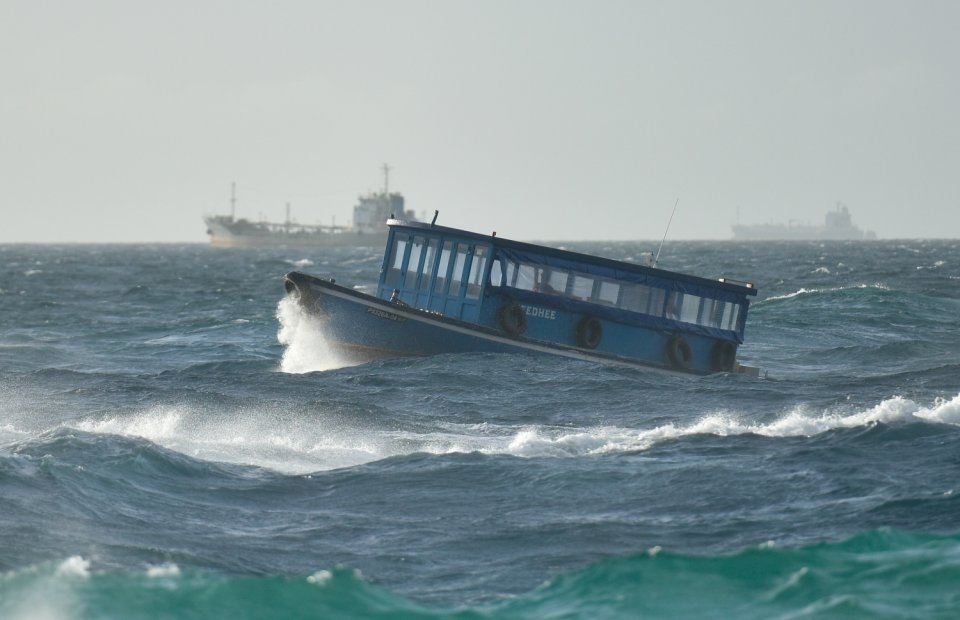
{"x": 817, "y": 291}
{"x": 298, "y": 443}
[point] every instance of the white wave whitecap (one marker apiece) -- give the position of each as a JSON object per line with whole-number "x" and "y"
{"x": 163, "y": 570}
{"x": 301, "y": 263}
{"x": 323, "y": 442}
{"x": 799, "y": 422}
{"x": 47, "y": 595}
{"x": 74, "y": 566}
{"x": 814, "y": 291}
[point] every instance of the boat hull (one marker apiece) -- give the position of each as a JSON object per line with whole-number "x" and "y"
{"x": 361, "y": 328}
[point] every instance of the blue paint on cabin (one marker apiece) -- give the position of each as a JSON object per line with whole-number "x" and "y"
{"x": 567, "y": 298}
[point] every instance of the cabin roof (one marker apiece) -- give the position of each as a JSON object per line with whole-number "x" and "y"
{"x": 568, "y": 255}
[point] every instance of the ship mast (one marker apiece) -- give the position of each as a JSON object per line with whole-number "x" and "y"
{"x": 386, "y": 179}
{"x": 233, "y": 201}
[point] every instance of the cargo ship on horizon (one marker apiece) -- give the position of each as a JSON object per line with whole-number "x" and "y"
{"x": 368, "y": 227}
{"x": 838, "y": 226}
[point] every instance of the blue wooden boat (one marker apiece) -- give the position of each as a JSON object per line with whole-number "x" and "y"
{"x": 444, "y": 290}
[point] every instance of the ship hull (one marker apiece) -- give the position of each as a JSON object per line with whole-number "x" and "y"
{"x": 222, "y": 237}
{"x": 796, "y": 233}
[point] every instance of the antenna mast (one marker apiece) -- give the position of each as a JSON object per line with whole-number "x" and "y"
{"x": 657, "y": 257}
{"x": 386, "y": 179}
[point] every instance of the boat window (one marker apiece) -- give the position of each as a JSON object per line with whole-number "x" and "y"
{"x": 511, "y": 273}
{"x": 731, "y": 316}
{"x": 428, "y": 262}
{"x": 555, "y": 281}
{"x": 702, "y": 311}
{"x": 479, "y": 263}
{"x": 396, "y": 259}
{"x": 443, "y": 267}
{"x": 523, "y": 276}
{"x": 657, "y": 300}
{"x": 641, "y": 298}
{"x": 689, "y": 308}
{"x": 459, "y": 263}
{"x": 672, "y": 307}
{"x": 540, "y": 277}
{"x": 582, "y": 286}
{"x": 631, "y": 297}
{"x": 413, "y": 265}
{"x": 496, "y": 273}
{"x": 608, "y": 293}
{"x": 712, "y": 314}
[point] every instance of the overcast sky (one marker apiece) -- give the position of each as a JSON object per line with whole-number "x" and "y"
{"x": 128, "y": 121}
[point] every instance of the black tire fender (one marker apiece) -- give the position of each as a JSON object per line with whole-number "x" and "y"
{"x": 589, "y": 332}
{"x": 512, "y": 318}
{"x": 723, "y": 356}
{"x": 679, "y": 352}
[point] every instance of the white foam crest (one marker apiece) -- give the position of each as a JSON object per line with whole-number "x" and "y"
{"x": 163, "y": 570}
{"x": 256, "y": 437}
{"x": 320, "y": 578}
{"x": 301, "y": 263}
{"x": 802, "y": 291}
{"x": 461, "y": 440}
{"x": 936, "y": 265}
{"x": 323, "y": 577}
{"x": 157, "y": 425}
{"x": 247, "y": 437}
{"x": 269, "y": 439}
{"x": 800, "y": 422}
{"x": 945, "y": 411}
{"x": 302, "y": 334}
{"x": 552, "y": 442}
{"x": 541, "y": 442}
{"x": 9, "y": 433}
{"x": 812, "y": 291}
{"x": 47, "y": 596}
{"x": 74, "y": 566}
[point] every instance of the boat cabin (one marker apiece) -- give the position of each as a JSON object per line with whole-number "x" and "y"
{"x": 610, "y": 308}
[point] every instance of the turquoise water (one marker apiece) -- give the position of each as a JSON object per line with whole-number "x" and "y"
{"x": 176, "y": 441}
{"x": 874, "y": 575}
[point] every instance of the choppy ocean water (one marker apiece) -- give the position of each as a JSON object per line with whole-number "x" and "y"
{"x": 176, "y": 442}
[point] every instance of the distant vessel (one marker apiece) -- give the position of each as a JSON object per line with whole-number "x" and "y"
{"x": 838, "y": 226}
{"x": 368, "y": 228}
